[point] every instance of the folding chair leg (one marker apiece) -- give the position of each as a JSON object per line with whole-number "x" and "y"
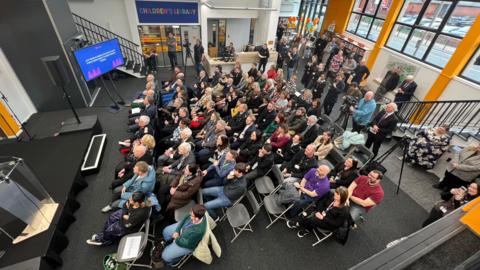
{"x": 281, "y": 216}
{"x": 319, "y": 240}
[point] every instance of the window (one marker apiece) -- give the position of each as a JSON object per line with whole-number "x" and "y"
{"x": 430, "y": 30}
{"x": 367, "y": 18}
{"x": 471, "y": 71}
{"x": 311, "y": 9}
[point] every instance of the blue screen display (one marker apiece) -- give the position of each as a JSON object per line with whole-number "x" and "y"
{"x": 98, "y": 59}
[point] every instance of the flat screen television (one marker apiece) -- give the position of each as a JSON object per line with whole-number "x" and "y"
{"x": 100, "y": 58}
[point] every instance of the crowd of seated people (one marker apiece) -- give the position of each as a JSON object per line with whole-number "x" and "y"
{"x": 222, "y": 133}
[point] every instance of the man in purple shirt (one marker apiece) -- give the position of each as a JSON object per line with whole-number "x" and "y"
{"x": 313, "y": 186}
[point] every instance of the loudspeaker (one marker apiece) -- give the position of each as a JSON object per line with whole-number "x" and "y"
{"x": 55, "y": 70}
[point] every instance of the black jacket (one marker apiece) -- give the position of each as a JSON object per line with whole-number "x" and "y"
{"x": 288, "y": 152}
{"x": 310, "y": 135}
{"x": 387, "y": 125}
{"x": 265, "y": 163}
{"x": 335, "y": 217}
{"x": 345, "y": 178}
{"x": 249, "y": 150}
{"x": 237, "y": 123}
{"x": 265, "y": 118}
{"x": 299, "y": 165}
{"x": 392, "y": 81}
{"x": 234, "y": 188}
{"x": 408, "y": 89}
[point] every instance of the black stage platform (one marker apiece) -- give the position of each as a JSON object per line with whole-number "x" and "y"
{"x": 56, "y": 162}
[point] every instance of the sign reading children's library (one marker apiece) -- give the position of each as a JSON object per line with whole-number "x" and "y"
{"x": 167, "y": 12}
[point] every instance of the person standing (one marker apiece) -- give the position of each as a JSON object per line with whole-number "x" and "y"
{"x": 198, "y": 55}
{"x": 405, "y": 91}
{"x": 172, "y": 49}
{"x": 363, "y": 112}
{"x": 292, "y": 60}
{"x": 382, "y": 125}
{"x": 282, "y": 52}
{"x": 360, "y": 73}
{"x": 264, "y": 54}
{"x": 389, "y": 82}
{"x": 332, "y": 94}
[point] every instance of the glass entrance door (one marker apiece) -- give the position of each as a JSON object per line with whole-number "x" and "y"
{"x": 154, "y": 38}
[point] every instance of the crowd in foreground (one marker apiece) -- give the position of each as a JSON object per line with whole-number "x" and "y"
{"x": 225, "y": 131}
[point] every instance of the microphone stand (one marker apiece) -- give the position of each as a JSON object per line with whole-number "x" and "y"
{"x": 30, "y": 137}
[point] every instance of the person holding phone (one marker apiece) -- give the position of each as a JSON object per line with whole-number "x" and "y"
{"x": 451, "y": 200}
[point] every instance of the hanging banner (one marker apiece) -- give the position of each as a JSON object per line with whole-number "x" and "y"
{"x": 167, "y": 12}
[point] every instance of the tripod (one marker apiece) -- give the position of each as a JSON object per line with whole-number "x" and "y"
{"x": 404, "y": 141}
{"x": 344, "y": 117}
{"x": 5, "y": 100}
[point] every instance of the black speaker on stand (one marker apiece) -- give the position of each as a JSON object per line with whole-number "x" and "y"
{"x": 59, "y": 78}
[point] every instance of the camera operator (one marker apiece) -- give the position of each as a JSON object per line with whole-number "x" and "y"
{"x": 382, "y": 125}
{"x": 363, "y": 112}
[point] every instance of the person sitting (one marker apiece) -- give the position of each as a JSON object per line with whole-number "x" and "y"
{"x": 272, "y": 72}
{"x": 344, "y": 173}
{"x": 167, "y": 156}
{"x": 300, "y": 164}
{"x": 464, "y": 166}
{"x": 286, "y": 153}
{"x": 230, "y": 190}
{"x": 181, "y": 191}
{"x": 183, "y": 237}
{"x": 311, "y": 131}
{"x": 428, "y": 146}
{"x": 124, "y": 169}
{"x": 167, "y": 173}
{"x": 143, "y": 180}
{"x": 261, "y": 164}
{"x": 330, "y": 215}
{"x": 313, "y": 186}
{"x": 297, "y": 121}
{"x": 208, "y": 144}
{"x": 237, "y": 124}
{"x": 249, "y": 149}
{"x": 280, "y": 138}
{"x": 315, "y": 109}
{"x": 323, "y": 144}
{"x": 222, "y": 148}
{"x": 266, "y": 116}
{"x": 240, "y": 138}
{"x": 364, "y": 193}
{"x": 144, "y": 127}
{"x": 253, "y": 71}
{"x": 279, "y": 120}
{"x": 150, "y": 110}
{"x": 215, "y": 174}
{"x": 126, "y": 220}
{"x": 452, "y": 200}
{"x": 174, "y": 138}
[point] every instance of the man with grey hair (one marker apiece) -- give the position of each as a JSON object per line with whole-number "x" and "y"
{"x": 184, "y": 157}
{"x": 382, "y": 125}
{"x": 363, "y": 112}
{"x": 405, "y": 91}
{"x": 311, "y": 131}
{"x": 124, "y": 169}
{"x": 144, "y": 127}
{"x": 389, "y": 82}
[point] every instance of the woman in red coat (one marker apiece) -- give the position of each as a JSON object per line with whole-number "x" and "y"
{"x": 280, "y": 138}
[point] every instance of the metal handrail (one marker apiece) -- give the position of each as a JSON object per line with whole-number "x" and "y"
{"x": 95, "y": 33}
{"x": 462, "y": 116}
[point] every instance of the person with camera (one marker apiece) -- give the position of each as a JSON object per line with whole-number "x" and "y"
{"x": 452, "y": 200}
{"x": 198, "y": 55}
{"x": 382, "y": 125}
{"x": 363, "y": 112}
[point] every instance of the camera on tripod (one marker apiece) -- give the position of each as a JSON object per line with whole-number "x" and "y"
{"x": 348, "y": 102}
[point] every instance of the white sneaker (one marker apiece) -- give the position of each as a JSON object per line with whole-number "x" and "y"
{"x": 106, "y": 209}
{"x": 93, "y": 242}
{"x": 94, "y": 237}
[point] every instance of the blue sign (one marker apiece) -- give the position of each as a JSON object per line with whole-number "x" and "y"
{"x": 167, "y": 12}
{"x": 98, "y": 59}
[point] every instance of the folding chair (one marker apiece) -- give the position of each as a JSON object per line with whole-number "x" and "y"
{"x": 182, "y": 261}
{"x": 265, "y": 185}
{"x": 239, "y": 218}
{"x": 132, "y": 246}
{"x": 337, "y": 130}
{"x": 321, "y": 235}
{"x": 327, "y": 122}
{"x": 181, "y": 212}
{"x": 275, "y": 209}
{"x": 224, "y": 209}
{"x": 362, "y": 154}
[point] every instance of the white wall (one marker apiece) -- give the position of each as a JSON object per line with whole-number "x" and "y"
{"x": 461, "y": 89}
{"x": 425, "y": 76}
{"x": 13, "y": 90}
{"x": 238, "y": 31}
{"x": 289, "y": 8}
{"x": 267, "y": 23}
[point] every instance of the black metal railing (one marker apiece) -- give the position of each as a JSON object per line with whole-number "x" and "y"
{"x": 462, "y": 116}
{"x": 95, "y": 33}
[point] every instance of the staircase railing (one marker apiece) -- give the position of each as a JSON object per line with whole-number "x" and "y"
{"x": 95, "y": 33}
{"x": 462, "y": 116}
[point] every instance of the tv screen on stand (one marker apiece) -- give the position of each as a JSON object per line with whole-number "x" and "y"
{"x": 100, "y": 58}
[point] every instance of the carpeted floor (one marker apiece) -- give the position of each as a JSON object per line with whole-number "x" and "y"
{"x": 275, "y": 248}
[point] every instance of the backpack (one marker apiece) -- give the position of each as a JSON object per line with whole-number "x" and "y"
{"x": 156, "y": 252}
{"x": 287, "y": 194}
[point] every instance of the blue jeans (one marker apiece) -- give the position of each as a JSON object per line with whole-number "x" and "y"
{"x": 220, "y": 200}
{"x": 198, "y": 67}
{"x": 356, "y": 211}
{"x": 297, "y": 207}
{"x": 290, "y": 73}
{"x": 172, "y": 253}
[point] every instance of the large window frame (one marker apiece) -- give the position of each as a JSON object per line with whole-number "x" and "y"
{"x": 311, "y": 9}
{"x": 416, "y": 27}
{"x": 369, "y": 16}
{"x": 469, "y": 64}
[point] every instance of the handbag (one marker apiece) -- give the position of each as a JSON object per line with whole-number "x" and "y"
{"x": 110, "y": 263}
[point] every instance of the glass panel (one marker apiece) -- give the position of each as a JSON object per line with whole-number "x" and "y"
{"x": 434, "y": 14}
{"x": 418, "y": 43}
{"x": 472, "y": 71}
{"x": 359, "y": 4}
{"x": 398, "y": 36}
{"x": 375, "y": 31}
{"x": 462, "y": 18}
{"x": 352, "y": 24}
{"x": 384, "y": 8}
{"x": 365, "y": 23}
{"x": 410, "y": 11}
{"x": 442, "y": 50}
{"x": 371, "y": 7}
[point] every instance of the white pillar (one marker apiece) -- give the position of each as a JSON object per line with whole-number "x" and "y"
{"x": 266, "y": 25}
